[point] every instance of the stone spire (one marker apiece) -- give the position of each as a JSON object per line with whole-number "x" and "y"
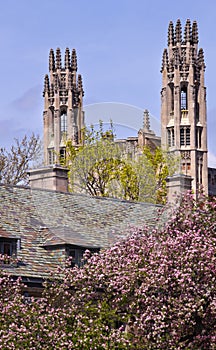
{"x": 46, "y": 84}
{"x": 187, "y": 32}
{"x": 63, "y": 113}
{"x": 74, "y": 60}
{"x": 178, "y": 32}
{"x": 171, "y": 34}
{"x": 51, "y": 61}
{"x": 80, "y": 84}
{"x": 67, "y": 58}
{"x": 58, "y": 58}
{"x": 195, "y": 38}
{"x": 164, "y": 59}
{"x": 146, "y": 121}
{"x": 201, "y": 60}
{"x": 183, "y": 103}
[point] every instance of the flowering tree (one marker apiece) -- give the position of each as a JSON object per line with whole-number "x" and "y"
{"x": 154, "y": 290}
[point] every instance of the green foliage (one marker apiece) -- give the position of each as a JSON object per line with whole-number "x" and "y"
{"x": 100, "y": 167}
{"x": 160, "y": 164}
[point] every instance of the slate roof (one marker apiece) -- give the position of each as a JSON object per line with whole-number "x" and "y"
{"x": 46, "y": 220}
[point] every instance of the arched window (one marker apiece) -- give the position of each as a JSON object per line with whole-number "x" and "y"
{"x": 184, "y": 98}
{"x": 63, "y": 123}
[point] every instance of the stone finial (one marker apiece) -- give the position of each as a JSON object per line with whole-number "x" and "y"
{"x": 178, "y": 32}
{"x": 46, "y": 84}
{"x": 74, "y": 60}
{"x": 187, "y": 31}
{"x": 164, "y": 60}
{"x": 67, "y": 58}
{"x": 58, "y": 58}
{"x": 51, "y": 61}
{"x": 170, "y": 34}
{"x": 201, "y": 60}
{"x": 80, "y": 85}
{"x": 195, "y": 37}
{"x": 146, "y": 120}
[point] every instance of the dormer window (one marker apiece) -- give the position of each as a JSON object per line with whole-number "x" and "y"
{"x": 8, "y": 248}
{"x": 76, "y": 255}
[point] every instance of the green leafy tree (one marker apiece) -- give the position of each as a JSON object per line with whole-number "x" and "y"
{"x": 152, "y": 168}
{"x": 100, "y": 167}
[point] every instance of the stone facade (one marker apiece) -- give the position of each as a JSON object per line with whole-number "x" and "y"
{"x": 183, "y": 107}
{"x": 63, "y": 115}
{"x": 183, "y": 102}
{"x": 133, "y": 146}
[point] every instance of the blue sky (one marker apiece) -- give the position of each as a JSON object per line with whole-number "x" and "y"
{"x": 119, "y": 46}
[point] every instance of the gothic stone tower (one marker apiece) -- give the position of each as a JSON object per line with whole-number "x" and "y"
{"x": 63, "y": 116}
{"x": 183, "y": 102}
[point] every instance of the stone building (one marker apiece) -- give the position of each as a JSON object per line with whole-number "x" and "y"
{"x": 41, "y": 226}
{"x": 132, "y": 146}
{"x": 63, "y": 115}
{"x": 183, "y": 102}
{"x": 183, "y": 106}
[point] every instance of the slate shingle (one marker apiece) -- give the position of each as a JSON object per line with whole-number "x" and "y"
{"x": 45, "y": 221}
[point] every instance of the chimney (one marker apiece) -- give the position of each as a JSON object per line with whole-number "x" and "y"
{"x": 53, "y": 177}
{"x": 177, "y": 185}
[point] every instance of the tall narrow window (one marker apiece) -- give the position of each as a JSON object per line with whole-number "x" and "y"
{"x": 186, "y": 167}
{"x": 52, "y": 121}
{"x": 171, "y": 137}
{"x": 199, "y": 137}
{"x": 200, "y": 175}
{"x": 182, "y": 137}
{"x": 171, "y": 98}
{"x": 51, "y": 156}
{"x": 62, "y": 155}
{"x": 184, "y": 98}
{"x": 185, "y": 136}
{"x": 63, "y": 124}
